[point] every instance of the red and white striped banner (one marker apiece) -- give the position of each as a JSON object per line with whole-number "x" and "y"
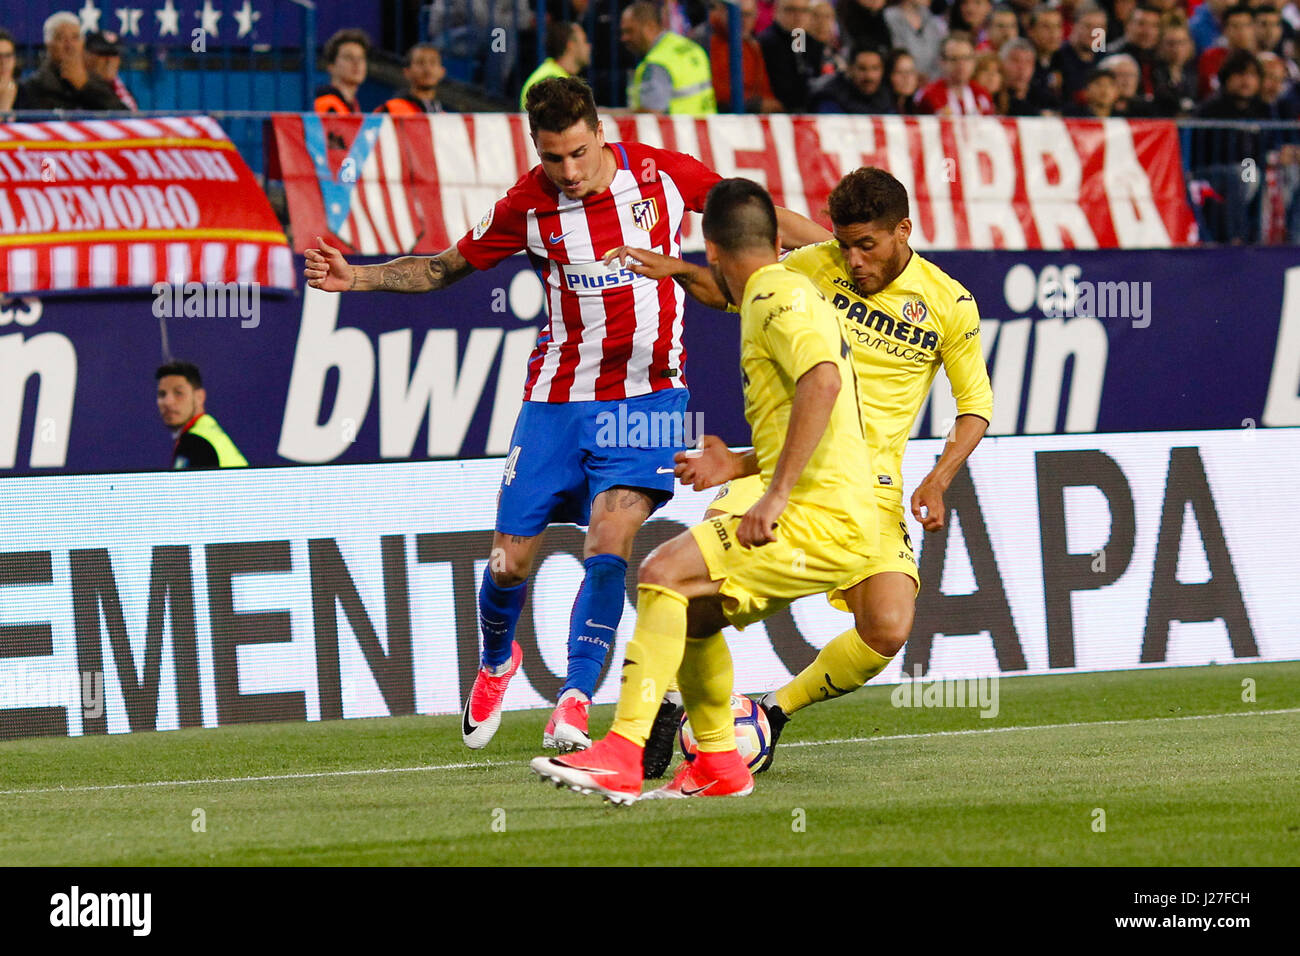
{"x": 381, "y": 185}
{"x": 117, "y": 204}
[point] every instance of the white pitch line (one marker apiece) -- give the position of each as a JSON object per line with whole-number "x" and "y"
{"x": 483, "y": 764}
{"x": 278, "y": 776}
{"x": 1005, "y": 730}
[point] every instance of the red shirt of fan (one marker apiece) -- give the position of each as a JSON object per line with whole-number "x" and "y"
{"x": 942, "y": 100}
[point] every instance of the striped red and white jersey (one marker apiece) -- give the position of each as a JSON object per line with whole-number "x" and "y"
{"x": 611, "y": 334}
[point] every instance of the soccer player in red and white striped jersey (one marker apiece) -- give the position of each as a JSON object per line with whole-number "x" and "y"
{"x": 611, "y": 352}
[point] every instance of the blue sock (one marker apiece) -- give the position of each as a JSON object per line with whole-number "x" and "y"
{"x": 594, "y": 624}
{"x": 498, "y": 612}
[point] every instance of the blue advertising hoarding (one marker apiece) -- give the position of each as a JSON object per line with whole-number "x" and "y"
{"x": 1076, "y": 342}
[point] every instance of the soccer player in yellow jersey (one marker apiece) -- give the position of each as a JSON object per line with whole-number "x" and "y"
{"x": 810, "y": 531}
{"x": 902, "y": 316}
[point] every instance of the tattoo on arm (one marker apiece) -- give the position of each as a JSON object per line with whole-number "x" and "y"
{"x": 408, "y": 274}
{"x": 419, "y": 273}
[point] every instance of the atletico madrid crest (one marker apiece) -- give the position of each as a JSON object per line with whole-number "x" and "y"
{"x": 645, "y": 213}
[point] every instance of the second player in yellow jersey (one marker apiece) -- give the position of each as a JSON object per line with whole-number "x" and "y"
{"x": 903, "y": 317}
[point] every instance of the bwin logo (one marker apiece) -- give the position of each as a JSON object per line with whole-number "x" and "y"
{"x": 75, "y": 909}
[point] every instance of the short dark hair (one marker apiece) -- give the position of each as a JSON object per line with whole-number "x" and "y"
{"x": 558, "y": 35}
{"x": 868, "y": 194}
{"x": 557, "y": 102}
{"x": 859, "y": 48}
{"x": 739, "y": 214}
{"x": 188, "y": 370}
{"x": 1264, "y": 8}
{"x": 1238, "y": 10}
{"x": 647, "y": 11}
{"x": 1099, "y": 73}
{"x": 333, "y": 44}
{"x": 1041, "y": 10}
{"x": 409, "y": 56}
{"x": 1239, "y": 61}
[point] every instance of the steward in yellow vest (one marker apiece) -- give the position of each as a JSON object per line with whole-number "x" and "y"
{"x": 567, "y": 54}
{"x": 674, "y": 75}
{"x": 200, "y": 442}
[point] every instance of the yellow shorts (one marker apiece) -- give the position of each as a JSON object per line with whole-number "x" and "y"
{"x": 811, "y": 555}
{"x": 894, "y": 552}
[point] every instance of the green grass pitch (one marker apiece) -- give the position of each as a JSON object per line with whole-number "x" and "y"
{"x": 1185, "y": 771}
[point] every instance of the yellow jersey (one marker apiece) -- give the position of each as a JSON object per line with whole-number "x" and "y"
{"x": 898, "y": 337}
{"x": 786, "y": 328}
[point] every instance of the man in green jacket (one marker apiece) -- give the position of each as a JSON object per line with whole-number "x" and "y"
{"x": 567, "y": 54}
{"x": 200, "y": 442}
{"x": 674, "y": 75}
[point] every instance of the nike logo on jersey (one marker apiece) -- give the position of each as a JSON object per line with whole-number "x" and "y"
{"x": 553, "y": 238}
{"x": 591, "y": 623}
{"x": 663, "y": 471}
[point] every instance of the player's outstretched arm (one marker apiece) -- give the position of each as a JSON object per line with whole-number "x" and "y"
{"x": 810, "y": 413}
{"x": 696, "y": 280}
{"x": 797, "y": 230}
{"x": 326, "y": 269}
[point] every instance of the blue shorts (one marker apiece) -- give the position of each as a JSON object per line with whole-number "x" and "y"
{"x": 563, "y": 454}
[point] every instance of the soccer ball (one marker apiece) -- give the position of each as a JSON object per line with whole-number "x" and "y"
{"x": 753, "y": 733}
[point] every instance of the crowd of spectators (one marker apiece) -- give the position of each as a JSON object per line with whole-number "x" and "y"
{"x": 77, "y": 72}
{"x": 1210, "y": 60}
{"x": 1101, "y": 58}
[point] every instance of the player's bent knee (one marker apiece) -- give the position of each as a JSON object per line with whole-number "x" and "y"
{"x": 885, "y": 630}
{"x": 656, "y": 569}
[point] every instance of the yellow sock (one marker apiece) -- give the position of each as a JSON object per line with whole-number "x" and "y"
{"x": 652, "y": 658}
{"x": 842, "y": 666}
{"x": 706, "y": 679}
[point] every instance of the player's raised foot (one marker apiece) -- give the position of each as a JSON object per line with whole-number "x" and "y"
{"x": 482, "y": 714}
{"x": 776, "y": 719}
{"x": 659, "y": 745}
{"x": 708, "y": 775}
{"x": 611, "y": 768}
{"x": 567, "y": 728}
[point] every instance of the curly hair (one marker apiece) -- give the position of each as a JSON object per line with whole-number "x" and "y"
{"x": 868, "y": 194}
